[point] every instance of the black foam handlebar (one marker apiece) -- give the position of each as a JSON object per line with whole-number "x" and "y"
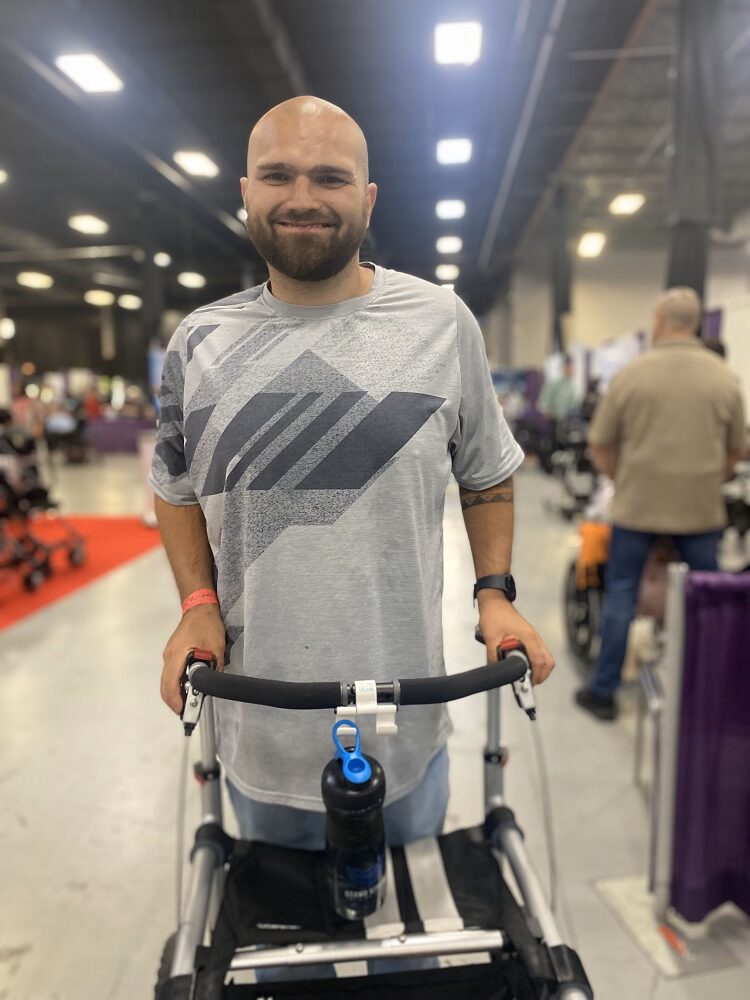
{"x": 331, "y": 694}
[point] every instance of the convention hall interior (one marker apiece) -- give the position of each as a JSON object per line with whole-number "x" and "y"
{"x": 237, "y": 477}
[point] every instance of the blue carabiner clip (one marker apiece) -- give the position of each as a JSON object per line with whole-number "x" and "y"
{"x": 355, "y": 768}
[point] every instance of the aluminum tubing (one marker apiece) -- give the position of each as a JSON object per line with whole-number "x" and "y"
{"x": 192, "y": 929}
{"x": 405, "y": 946}
{"x": 512, "y": 846}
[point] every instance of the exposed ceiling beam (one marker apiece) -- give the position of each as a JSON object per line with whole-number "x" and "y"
{"x": 519, "y": 139}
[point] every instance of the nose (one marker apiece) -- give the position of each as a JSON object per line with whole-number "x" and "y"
{"x": 301, "y": 197}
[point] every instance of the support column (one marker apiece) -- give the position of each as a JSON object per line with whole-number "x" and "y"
{"x": 695, "y": 179}
{"x": 561, "y": 268}
{"x": 152, "y": 288}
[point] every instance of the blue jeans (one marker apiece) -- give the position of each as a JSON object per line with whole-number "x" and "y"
{"x": 419, "y": 814}
{"x": 628, "y": 552}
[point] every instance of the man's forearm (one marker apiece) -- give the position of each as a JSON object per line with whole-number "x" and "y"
{"x": 488, "y": 516}
{"x": 183, "y": 531}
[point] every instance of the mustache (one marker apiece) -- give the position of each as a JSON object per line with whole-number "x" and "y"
{"x": 301, "y": 219}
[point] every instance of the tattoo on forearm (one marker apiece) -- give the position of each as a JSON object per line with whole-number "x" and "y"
{"x": 502, "y": 493}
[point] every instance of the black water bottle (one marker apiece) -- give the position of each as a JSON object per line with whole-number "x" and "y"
{"x": 353, "y": 787}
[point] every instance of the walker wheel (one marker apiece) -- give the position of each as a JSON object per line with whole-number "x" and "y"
{"x": 76, "y": 556}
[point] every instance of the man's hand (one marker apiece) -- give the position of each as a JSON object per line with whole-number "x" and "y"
{"x": 498, "y": 619}
{"x": 201, "y": 628}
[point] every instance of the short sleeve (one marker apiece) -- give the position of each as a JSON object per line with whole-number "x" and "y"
{"x": 169, "y": 477}
{"x": 483, "y": 450}
{"x": 605, "y": 428}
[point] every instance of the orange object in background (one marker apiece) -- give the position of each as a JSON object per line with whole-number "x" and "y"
{"x": 592, "y": 553}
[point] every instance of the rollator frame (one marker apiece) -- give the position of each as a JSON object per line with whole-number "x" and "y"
{"x": 210, "y": 853}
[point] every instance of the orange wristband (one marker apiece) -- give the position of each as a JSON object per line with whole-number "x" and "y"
{"x": 199, "y": 597}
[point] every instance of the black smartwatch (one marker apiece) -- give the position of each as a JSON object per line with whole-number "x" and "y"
{"x": 504, "y": 582}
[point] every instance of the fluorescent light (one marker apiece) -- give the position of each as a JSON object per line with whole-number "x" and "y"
{"x": 128, "y": 301}
{"x": 450, "y": 209}
{"x": 3, "y": 176}
{"x": 190, "y": 279}
{"x": 449, "y": 244}
{"x": 591, "y": 244}
{"x": 242, "y": 214}
{"x": 454, "y": 150}
{"x": 7, "y": 328}
{"x": 89, "y": 73}
{"x": 99, "y": 297}
{"x": 162, "y": 259}
{"x": 35, "y": 279}
{"x": 458, "y": 43}
{"x": 196, "y": 163}
{"x": 447, "y": 284}
{"x": 447, "y": 272}
{"x": 88, "y": 224}
{"x": 626, "y": 204}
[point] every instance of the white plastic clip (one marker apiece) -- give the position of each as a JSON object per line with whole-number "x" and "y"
{"x": 366, "y": 697}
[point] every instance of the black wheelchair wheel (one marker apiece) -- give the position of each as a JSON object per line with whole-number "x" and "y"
{"x": 582, "y": 617}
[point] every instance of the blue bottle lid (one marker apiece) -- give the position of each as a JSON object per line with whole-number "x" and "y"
{"x": 354, "y": 767}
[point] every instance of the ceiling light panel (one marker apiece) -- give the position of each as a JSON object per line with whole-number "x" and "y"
{"x": 195, "y": 163}
{"x": 627, "y": 203}
{"x": 129, "y": 301}
{"x": 591, "y": 244}
{"x": 447, "y": 272}
{"x": 89, "y": 73}
{"x": 35, "y": 279}
{"x": 449, "y": 244}
{"x": 458, "y": 42}
{"x": 450, "y": 209}
{"x": 454, "y": 150}
{"x": 191, "y": 279}
{"x": 91, "y": 225}
{"x": 99, "y": 297}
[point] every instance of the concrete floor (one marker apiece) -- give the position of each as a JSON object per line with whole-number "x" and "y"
{"x": 90, "y": 759}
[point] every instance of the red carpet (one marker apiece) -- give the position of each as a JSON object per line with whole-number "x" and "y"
{"x": 109, "y": 542}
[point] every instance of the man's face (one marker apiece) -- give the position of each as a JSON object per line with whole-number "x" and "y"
{"x": 308, "y": 205}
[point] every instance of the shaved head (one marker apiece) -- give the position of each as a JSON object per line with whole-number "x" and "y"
{"x": 678, "y": 310}
{"x": 307, "y": 191}
{"x": 309, "y": 118}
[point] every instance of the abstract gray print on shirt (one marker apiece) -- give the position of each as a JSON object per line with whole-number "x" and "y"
{"x": 308, "y": 431}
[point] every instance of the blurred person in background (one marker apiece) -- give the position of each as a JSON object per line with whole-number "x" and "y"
{"x": 669, "y": 431}
{"x": 341, "y": 562}
{"x": 558, "y": 399}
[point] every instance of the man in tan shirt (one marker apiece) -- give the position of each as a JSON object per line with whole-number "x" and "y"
{"x": 668, "y": 431}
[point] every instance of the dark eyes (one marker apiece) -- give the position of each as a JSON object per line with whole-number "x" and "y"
{"x": 327, "y": 180}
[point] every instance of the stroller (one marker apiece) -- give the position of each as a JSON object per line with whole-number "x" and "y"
{"x": 254, "y": 906}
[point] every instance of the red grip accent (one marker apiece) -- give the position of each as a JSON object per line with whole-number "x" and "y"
{"x": 510, "y": 643}
{"x": 203, "y": 654}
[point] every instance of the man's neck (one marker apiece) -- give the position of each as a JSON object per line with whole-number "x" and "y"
{"x": 675, "y": 338}
{"x": 354, "y": 280}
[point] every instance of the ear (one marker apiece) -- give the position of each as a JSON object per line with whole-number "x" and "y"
{"x": 243, "y": 187}
{"x": 371, "y": 194}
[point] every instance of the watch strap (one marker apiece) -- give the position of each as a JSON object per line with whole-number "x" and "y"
{"x": 499, "y": 581}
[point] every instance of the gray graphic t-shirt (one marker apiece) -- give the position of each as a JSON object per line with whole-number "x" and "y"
{"x": 319, "y": 441}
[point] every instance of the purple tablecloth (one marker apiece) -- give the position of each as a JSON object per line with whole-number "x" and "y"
{"x": 120, "y": 435}
{"x": 711, "y": 856}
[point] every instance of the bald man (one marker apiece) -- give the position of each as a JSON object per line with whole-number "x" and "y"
{"x": 309, "y": 428}
{"x": 669, "y": 431}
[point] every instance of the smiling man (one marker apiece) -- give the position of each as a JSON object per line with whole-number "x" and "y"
{"x": 309, "y": 429}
